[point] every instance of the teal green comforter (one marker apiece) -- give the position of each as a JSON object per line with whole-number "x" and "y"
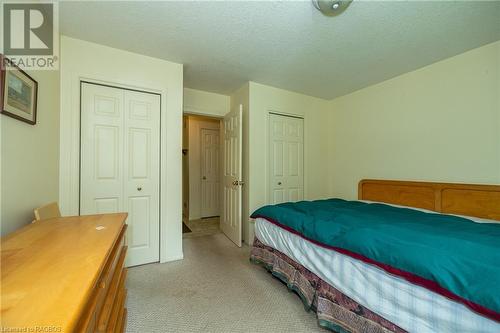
{"x": 453, "y": 256}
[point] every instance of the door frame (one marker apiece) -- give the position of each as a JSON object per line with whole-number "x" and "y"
{"x": 69, "y": 182}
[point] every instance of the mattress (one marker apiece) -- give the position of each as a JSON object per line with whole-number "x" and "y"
{"x": 411, "y": 307}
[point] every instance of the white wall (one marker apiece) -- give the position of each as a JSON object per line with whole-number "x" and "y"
{"x": 264, "y": 99}
{"x": 195, "y": 124}
{"x": 30, "y": 157}
{"x": 82, "y": 60}
{"x": 205, "y": 103}
{"x": 438, "y": 123}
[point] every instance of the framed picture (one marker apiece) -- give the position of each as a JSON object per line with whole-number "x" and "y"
{"x": 18, "y": 93}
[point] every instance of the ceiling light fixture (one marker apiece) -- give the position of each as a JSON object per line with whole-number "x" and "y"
{"x": 331, "y": 7}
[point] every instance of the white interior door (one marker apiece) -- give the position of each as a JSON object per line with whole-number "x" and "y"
{"x": 120, "y": 147}
{"x": 232, "y": 175}
{"x": 286, "y": 160}
{"x": 210, "y": 185}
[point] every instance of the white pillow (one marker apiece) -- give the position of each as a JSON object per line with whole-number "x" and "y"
{"x": 475, "y": 219}
{"x": 471, "y": 218}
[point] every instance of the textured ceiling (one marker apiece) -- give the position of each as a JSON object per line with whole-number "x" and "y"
{"x": 287, "y": 44}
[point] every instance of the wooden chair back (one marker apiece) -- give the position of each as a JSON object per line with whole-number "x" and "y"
{"x": 48, "y": 211}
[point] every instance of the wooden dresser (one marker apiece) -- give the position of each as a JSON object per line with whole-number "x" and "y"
{"x": 65, "y": 275}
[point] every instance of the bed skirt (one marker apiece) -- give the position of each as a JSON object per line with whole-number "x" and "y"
{"x": 335, "y": 311}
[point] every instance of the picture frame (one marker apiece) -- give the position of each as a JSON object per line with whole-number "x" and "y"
{"x": 19, "y": 92}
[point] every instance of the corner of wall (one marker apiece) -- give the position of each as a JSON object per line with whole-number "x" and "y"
{"x": 430, "y": 124}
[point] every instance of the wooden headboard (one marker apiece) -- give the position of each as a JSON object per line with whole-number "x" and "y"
{"x": 463, "y": 199}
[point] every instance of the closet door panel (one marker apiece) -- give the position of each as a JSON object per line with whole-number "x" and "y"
{"x": 101, "y": 167}
{"x": 142, "y": 176}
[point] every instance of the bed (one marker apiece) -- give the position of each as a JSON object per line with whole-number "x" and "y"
{"x": 341, "y": 260}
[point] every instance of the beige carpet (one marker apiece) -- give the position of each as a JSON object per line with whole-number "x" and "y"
{"x": 214, "y": 289}
{"x": 202, "y": 227}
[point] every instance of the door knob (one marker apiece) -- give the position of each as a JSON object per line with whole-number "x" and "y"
{"x": 139, "y": 189}
{"x": 279, "y": 183}
{"x": 204, "y": 178}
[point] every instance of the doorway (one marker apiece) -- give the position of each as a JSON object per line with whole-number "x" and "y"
{"x": 201, "y": 175}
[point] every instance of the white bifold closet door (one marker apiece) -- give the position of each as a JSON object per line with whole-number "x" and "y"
{"x": 120, "y": 163}
{"x": 286, "y": 158}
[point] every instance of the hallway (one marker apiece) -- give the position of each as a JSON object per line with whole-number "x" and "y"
{"x": 202, "y": 227}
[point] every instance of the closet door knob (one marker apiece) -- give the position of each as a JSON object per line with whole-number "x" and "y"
{"x": 139, "y": 189}
{"x": 279, "y": 183}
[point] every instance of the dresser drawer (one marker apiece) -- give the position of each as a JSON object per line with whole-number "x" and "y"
{"x": 104, "y": 296}
{"x": 118, "y": 310}
{"x": 122, "y": 323}
{"x": 115, "y": 287}
{"x": 111, "y": 264}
